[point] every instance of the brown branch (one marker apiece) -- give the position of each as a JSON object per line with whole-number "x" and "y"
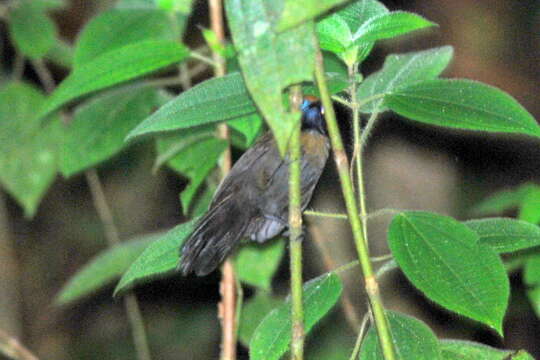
{"x": 227, "y": 306}
{"x": 12, "y": 348}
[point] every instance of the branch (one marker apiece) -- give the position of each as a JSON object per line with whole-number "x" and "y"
{"x": 342, "y": 163}
{"x": 295, "y": 231}
{"x": 12, "y": 348}
{"x": 227, "y": 306}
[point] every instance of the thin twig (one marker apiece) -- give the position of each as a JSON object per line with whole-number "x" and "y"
{"x": 359, "y": 338}
{"x": 131, "y": 305}
{"x": 12, "y": 348}
{"x": 326, "y": 214}
{"x": 111, "y": 235}
{"x": 329, "y": 263}
{"x": 341, "y": 100}
{"x": 44, "y": 75}
{"x": 342, "y": 162}
{"x": 198, "y": 56}
{"x": 227, "y": 306}
{"x": 18, "y": 66}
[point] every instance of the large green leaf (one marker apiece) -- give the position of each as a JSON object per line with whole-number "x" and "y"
{"x": 390, "y": 25}
{"x": 296, "y": 12}
{"x": 504, "y": 200}
{"x": 99, "y": 127}
{"x": 256, "y": 264}
{"x": 115, "y": 28}
{"x": 103, "y": 269}
{"x": 253, "y": 312}
{"x": 272, "y": 337}
{"x": 413, "y": 340}
{"x": 27, "y": 150}
{"x": 270, "y": 61}
{"x": 214, "y": 100}
{"x": 158, "y": 260}
{"x": 468, "y": 350}
{"x": 399, "y": 70}
{"x": 114, "y": 67}
{"x": 463, "y": 104}
{"x": 32, "y": 31}
{"x": 506, "y": 235}
{"x": 194, "y": 161}
{"x": 443, "y": 259}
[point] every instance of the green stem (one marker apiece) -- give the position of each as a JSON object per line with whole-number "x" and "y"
{"x": 326, "y": 214}
{"x": 295, "y": 230}
{"x": 203, "y": 58}
{"x": 372, "y": 287}
{"x": 358, "y": 343}
{"x": 357, "y": 154}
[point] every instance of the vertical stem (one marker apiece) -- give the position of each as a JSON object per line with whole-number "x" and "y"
{"x": 295, "y": 231}
{"x": 342, "y": 163}
{"x": 133, "y": 311}
{"x": 227, "y": 307}
{"x": 357, "y": 147}
{"x": 131, "y": 305}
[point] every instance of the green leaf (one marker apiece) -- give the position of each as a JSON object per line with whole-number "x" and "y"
{"x": 505, "y": 235}
{"x": 182, "y": 6}
{"x": 296, "y": 12}
{"x": 115, "y": 28}
{"x": 534, "y": 297}
{"x": 399, "y": 70}
{"x": 270, "y": 61}
{"x": 390, "y": 25}
{"x": 32, "y": 31}
{"x": 462, "y": 104}
{"x": 530, "y": 206}
{"x": 531, "y": 274}
{"x": 442, "y": 258}
{"x": 214, "y": 100}
{"x": 334, "y": 34}
{"x": 360, "y": 12}
{"x": 336, "y": 31}
{"x": 468, "y": 350}
{"x": 253, "y": 312}
{"x": 412, "y": 340}
{"x": 195, "y": 161}
{"x": 272, "y": 337}
{"x": 256, "y": 264}
{"x": 115, "y": 67}
{"x": 250, "y": 126}
{"x": 158, "y": 260}
{"x": 99, "y": 127}
{"x": 27, "y": 150}
{"x": 103, "y": 269}
{"x": 503, "y": 200}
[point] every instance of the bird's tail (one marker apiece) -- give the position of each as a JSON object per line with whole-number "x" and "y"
{"x": 214, "y": 238}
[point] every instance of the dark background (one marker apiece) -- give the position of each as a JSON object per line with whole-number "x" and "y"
{"x": 409, "y": 166}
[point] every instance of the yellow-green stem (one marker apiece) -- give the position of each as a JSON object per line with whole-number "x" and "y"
{"x": 295, "y": 231}
{"x": 342, "y": 163}
{"x": 358, "y": 153}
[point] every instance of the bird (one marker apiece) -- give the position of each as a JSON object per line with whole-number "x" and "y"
{"x": 251, "y": 202}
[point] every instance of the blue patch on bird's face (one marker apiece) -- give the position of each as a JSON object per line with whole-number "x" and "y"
{"x": 312, "y": 116}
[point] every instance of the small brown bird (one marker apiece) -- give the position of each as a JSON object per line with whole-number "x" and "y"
{"x": 252, "y": 201}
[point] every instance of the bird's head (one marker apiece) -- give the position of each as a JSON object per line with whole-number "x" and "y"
{"x": 313, "y": 115}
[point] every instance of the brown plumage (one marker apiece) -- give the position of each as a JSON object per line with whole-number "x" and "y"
{"x": 252, "y": 201}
